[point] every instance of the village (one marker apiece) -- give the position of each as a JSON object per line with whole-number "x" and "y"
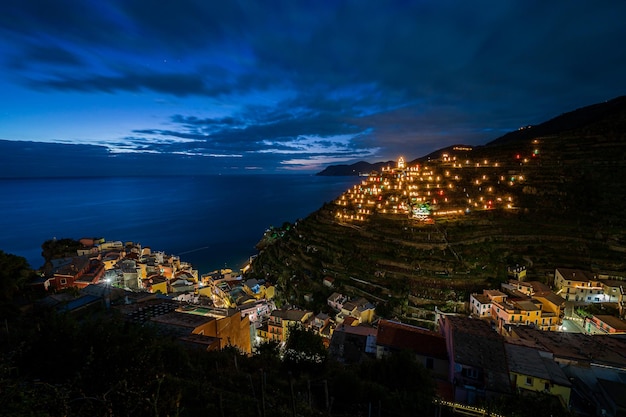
{"x": 449, "y": 185}
{"x": 525, "y": 336}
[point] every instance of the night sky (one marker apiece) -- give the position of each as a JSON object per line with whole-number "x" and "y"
{"x": 177, "y": 86}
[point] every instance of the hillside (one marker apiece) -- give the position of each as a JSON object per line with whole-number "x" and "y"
{"x": 357, "y": 168}
{"x": 430, "y": 232}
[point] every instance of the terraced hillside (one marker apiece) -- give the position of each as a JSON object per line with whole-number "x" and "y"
{"x": 430, "y": 231}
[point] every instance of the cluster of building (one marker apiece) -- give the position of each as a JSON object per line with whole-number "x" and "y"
{"x": 450, "y": 185}
{"x": 125, "y": 265}
{"x": 532, "y": 303}
{"x": 473, "y": 364}
{"x": 154, "y": 287}
{"x": 509, "y": 343}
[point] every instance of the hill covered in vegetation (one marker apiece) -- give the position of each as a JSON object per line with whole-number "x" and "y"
{"x": 435, "y": 229}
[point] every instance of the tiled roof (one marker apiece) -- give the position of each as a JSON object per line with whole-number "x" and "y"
{"x": 482, "y": 298}
{"x": 290, "y": 315}
{"x": 357, "y": 330}
{"x": 477, "y": 345}
{"x": 144, "y": 311}
{"x": 576, "y": 274}
{"x": 183, "y": 319}
{"x": 539, "y": 286}
{"x": 527, "y": 305}
{"x": 403, "y": 336}
{"x": 494, "y": 293}
{"x": 551, "y": 296}
{"x": 612, "y": 321}
{"x": 528, "y": 361}
{"x": 601, "y": 349}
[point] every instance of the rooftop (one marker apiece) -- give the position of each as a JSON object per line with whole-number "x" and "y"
{"x": 176, "y": 318}
{"x": 599, "y": 349}
{"x": 290, "y": 315}
{"x": 527, "y": 305}
{"x": 482, "y": 298}
{"x": 403, "y": 336}
{"x": 612, "y": 321}
{"x": 528, "y": 361}
{"x": 475, "y": 344}
{"x": 576, "y": 274}
{"x": 551, "y": 296}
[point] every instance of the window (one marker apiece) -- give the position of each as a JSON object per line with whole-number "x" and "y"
{"x": 470, "y": 373}
{"x": 546, "y": 386}
{"x": 429, "y": 363}
{"x": 529, "y": 380}
{"x": 63, "y": 281}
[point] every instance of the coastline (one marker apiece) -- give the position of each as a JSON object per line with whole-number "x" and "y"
{"x": 210, "y": 221}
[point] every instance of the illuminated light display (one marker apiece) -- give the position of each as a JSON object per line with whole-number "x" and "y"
{"x": 396, "y": 191}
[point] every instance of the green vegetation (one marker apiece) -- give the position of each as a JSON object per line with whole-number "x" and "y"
{"x": 14, "y": 275}
{"x": 58, "y": 248}
{"x": 568, "y": 212}
{"x": 587, "y": 311}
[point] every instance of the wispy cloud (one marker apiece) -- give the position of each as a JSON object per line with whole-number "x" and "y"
{"x": 277, "y": 84}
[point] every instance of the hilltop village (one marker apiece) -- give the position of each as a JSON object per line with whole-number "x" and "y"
{"x": 449, "y": 186}
{"x": 564, "y": 338}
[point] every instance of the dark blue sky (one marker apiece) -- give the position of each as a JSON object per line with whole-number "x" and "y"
{"x": 266, "y": 86}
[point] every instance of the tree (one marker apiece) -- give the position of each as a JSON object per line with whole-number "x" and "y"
{"x": 14, "y": 272}
{"x": 58, "y": 248}
{"x": 304, "y": 350}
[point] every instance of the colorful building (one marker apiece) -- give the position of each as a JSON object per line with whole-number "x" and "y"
{"x": 428, "y": 347}
{"x": 478, "y": 366}
{"x": 605, "y": 324}
{"x": 281, "y": 320}
{"x": 578, "y": 285}
{"x": 533, "y": 371}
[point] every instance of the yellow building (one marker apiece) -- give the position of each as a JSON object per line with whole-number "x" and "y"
{"x": 543, "y": 310}
{"x": 226, "y": 325}
{"x": 578, "y": 285}
{"x": 531, "y": 370}
{"x": 552, "y": 309}
{"x": 155, "y": 284}
{"x": 281, "y": 320}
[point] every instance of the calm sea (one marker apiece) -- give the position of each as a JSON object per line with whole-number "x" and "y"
{"x": 210, "y": 221}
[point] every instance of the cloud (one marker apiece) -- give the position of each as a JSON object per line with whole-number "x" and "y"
{"x": 173, "y": 83}
{"x": 44, "y": 55}
{"x": 300, "y": 84}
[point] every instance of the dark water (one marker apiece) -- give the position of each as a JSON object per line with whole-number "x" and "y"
{"x": 210, "y": 221}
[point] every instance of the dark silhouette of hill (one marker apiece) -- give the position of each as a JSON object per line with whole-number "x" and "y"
{"x": 357, "y": 168}
{"x": 576, "y": 119}
{"x": 610, "y": 111}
